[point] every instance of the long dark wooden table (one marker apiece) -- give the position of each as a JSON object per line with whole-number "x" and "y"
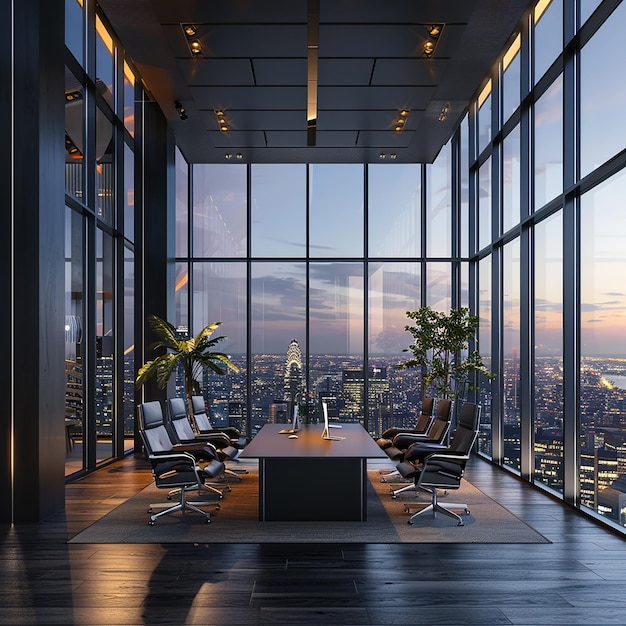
{"x": 310, "y": 478}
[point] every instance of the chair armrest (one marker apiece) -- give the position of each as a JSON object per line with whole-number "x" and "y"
{"x": 162, "y": 463}
{"x": 446, "y": 464}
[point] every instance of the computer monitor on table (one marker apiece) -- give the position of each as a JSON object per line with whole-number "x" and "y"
{"x": 295, "y": 422}
{"x": 326, "y": 432}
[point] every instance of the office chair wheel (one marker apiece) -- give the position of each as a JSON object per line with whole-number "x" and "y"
{"x": 407, "y": 509}
{"x": 218, "y": 506}
{"x": 150, "y": 522}
{"x": 394, "y": 496}
{"x": 461, "y": 523}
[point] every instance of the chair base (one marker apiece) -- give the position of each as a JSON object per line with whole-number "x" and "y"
{"x": 182, "y": 505}
{"x": 435, "y": 508}
{"x": 396, "y": 492}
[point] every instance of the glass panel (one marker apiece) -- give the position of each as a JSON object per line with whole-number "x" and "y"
{"x": 278, "y": 335}
{"x": 548, "y": 144}
{"x": 74, "y": 136}
{"x": 74, "y": 29}
{"x": 603, "y": 345}
{"x": 484, "y": 118}
{"x": 602, "y": 135}
{"x": 129, "y": 100}
{"x": 129, "y": 349}
{"x": 484, "y": 347}
{"x": 510, "y": 347}
{"x": 105, "y": 69}
{"x": 220, "y": 295}
{"x": 587, "y": 7}
{"x": 484, "y": 204}
{"x": 511, "y": 79}
{"x": 511, "y": 180}
{"x": 182, "y": 206}
{"x": 105, "y": 169}
{"x": 548, "y": 35}
{"x": 465, "y": 286}
{"x": 548, "y": 341}
{"x": 219, "y": 210}
{"x": 439, "y": 205}
{"x": 129, "y": 193}
{"x": 278, "y": 210}
{"x": 395, "y": 395}
{"x": 439, "y": 286}
{"x": 105, "y": 345}
{"x": 336, "y": 337}
{"x": 74, "y": 345}
{"x": 181, "y": 296}
{"x": 394, "y": 210}
{"x": 464, "y": 232}
{"x": 336, "y": 211}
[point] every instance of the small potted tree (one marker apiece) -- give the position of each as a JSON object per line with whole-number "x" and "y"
{"x": 440, "y": 348}
{"x": 192, "y": 353}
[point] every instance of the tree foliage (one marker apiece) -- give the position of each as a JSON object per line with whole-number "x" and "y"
{"x": 193, "y": 354}
{"x": 440, "y": 348}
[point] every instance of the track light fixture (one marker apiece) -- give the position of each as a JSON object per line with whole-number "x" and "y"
{"x": 400, "y": 121}
{"x": 181, "y": 111}
{"x": 434, "y": 31}
{"x": 221, "y": 120}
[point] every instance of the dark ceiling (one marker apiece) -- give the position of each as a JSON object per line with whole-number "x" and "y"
{"x": 361, "y": 62}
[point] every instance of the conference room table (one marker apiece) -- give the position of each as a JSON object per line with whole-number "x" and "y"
{"x": 309, "y": 478}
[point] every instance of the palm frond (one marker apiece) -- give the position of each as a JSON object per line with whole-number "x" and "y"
{"x": 166, "y": 332}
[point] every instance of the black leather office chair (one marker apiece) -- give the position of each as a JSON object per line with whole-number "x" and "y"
{"x": 424, "y": 419}
{"x": 445, "y": 470}
{"x": 436, "y": 466}
{"x": 437, "y": 432}
{"x": 181, "y": 432}
{"x": 177, "y": 471}
{"x": 204, "y": 426}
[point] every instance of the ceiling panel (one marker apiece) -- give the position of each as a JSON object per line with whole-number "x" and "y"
{"x": 423, "y": 72}
{"x": 216, "y": 71}
{"x": 253, "y": 64}
{"x": 351, "y": 98}
{"x": 249, "y": 98}
{"x": 279, "y": 71}
{"x": 345, "y": 71}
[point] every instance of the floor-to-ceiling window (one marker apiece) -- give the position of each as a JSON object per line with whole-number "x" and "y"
{"x": 311, "y": 269}
{"x": 99, "y": 279}
{"x": 555, "y": 265}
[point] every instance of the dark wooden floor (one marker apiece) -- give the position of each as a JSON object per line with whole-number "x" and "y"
{"x": 578, "y": 579}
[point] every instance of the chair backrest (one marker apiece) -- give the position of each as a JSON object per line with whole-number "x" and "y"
{"x": 423, "y": 421}
{"x": 152, "y": 428}
{"x": 438, "y": 429}
{"x": 444, "y": 408}
{"x": 467, "y": 430}
{"x": 199, "y": 414}
{"x": 177, "y": 416}
{"x": 428, "y": 404}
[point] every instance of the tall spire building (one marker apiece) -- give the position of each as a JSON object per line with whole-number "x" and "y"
{"x": 293, "y": 371}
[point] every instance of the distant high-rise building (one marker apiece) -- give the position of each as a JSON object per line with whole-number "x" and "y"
{"x": 293, "y": 371}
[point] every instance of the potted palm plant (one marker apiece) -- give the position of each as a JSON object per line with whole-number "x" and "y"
{"x": 440, "y": 348}
{"x": 193, "y": 354}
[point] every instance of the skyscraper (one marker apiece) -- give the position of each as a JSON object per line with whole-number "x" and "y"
{"x": 293, "y": 371}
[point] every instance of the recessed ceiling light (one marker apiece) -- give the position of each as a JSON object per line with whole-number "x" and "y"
{"x": 190, "y": 30}
{"x": 429, "y": 48}
{"x": 195, "y": 46}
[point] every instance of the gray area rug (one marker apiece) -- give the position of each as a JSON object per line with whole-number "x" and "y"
{"x": 237, "y": 521}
